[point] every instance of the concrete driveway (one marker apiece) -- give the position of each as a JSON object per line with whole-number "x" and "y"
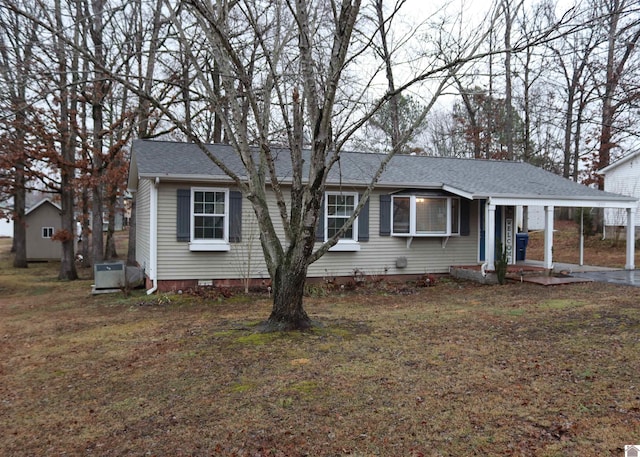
{"x": 623, "y": 277}
{"x": 595, "y": 273}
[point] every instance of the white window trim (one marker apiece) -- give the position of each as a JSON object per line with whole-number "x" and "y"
{"x": 343, "y": 244}
{"x": 219, "y": 245}
{"x": 47, "y": 229}
{"x": 412, "y": 217}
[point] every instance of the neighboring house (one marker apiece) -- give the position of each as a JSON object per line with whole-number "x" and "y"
{"x": 425, "y": 215}
{"x": 535, "y": 219}
{"x": 43, "y": 220}
{"x": 622, "y": 177}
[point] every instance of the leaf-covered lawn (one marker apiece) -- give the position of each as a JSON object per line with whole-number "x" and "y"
{"x": 610, "y": 252}
{"x": 455, "y": 369}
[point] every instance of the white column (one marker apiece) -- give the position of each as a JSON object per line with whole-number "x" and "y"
{"x": 581, "y": 263}
{"x": 631, "y": 238}
{"x": 548, "y": 237}
{"x": 490, "y": 236}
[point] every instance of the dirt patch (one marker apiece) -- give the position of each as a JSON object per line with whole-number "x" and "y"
{"x": 566, "y": 247}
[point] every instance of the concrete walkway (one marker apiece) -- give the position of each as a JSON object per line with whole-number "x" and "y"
{"x": 594, "y": 273}
{"x": 622, "y": 277}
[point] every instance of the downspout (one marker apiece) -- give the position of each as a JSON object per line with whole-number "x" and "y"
{"x": 153, "y": 236}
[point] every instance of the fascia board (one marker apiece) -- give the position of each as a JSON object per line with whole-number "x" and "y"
{"x": 570, "y": 203}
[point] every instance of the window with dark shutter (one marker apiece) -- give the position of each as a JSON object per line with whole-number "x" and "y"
{"x": 183, "y": 223}
{"x": 465, "y": 217}
{"x": 235, "y": 216}
{"x": 385, "y": 215}
{"x": 363, "y": 222}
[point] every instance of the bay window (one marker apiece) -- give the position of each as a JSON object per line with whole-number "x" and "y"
{"x": 416, "y": 215}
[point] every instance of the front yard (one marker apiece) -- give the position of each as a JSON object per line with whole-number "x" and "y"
{"x": 454, "y": 369}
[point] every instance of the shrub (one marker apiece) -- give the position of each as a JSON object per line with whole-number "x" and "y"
{"x": 502, "y": 264}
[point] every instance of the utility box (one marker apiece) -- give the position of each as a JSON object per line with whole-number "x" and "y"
{"x": 109, "y": 275}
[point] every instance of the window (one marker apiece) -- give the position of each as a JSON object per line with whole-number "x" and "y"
{"x": 431, "y": 215}
{"x": 417, "y": 215}
{"x": 338, "y": 208}
{"x": 47, "y": 232}
{"x": 402, "y": 215}
{"x": 209, "y": 217}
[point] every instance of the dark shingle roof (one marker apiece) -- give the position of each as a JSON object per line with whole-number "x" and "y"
{"x": 473, "y": 178}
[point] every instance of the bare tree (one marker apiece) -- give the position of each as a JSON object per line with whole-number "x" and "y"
{"x": 622, "y": 26}
{"x": 67, "y": 149}
{"x": 18, "y": 39}
{"x": 307, "y": 52}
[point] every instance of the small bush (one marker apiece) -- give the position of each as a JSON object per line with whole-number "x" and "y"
{"x": 502, "y": 264}
{"x": 588, "y": 221}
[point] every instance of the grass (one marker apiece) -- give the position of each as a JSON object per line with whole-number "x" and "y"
{"x": 454, "y": 369}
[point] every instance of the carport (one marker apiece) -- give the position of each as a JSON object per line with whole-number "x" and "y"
{"x": 582, "y": 197}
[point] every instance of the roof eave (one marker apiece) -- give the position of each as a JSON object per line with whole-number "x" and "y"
{"x": 570, "y": 202}
{"x": 619, "y": 162}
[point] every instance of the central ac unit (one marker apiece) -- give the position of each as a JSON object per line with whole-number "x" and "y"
{"x": 109, "y": 275}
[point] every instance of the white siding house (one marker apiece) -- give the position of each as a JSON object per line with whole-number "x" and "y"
{"x": 622, "y": 177}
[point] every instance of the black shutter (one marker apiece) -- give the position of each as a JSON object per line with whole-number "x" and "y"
{"x": 183, "y": 213}
{"x": 465, "y": 217}
{"x": 235, "y": 216}
{"x": 385, "y": 215}
{"x": 363, "y": 222}
{"x": 320, "y": 225}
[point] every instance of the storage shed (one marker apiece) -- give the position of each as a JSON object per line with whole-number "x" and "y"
{"x": 43, "y": 220}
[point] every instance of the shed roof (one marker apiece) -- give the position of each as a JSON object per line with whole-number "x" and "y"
{"x": 473, "y": 179}
{"x": 40, "y": 203}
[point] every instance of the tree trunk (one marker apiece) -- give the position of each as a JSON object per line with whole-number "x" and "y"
{"x": 68, "y": 262}
{"x": 85, "y": 249}
{"x": 508, "y": 127}
{"x": 19, "y": 226}
{"x": 67, "y": 168}
{"x": 288, "y": 292}
{"x": 97, "y": 101}
{"x": 110, "y": 242}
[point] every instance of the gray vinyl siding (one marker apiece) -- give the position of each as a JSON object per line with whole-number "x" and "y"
{"x": 176, "y": 261}
{"x": 143, "y": 214}
{"x": 425, "y": 255}
{"x": 378, "y": 256}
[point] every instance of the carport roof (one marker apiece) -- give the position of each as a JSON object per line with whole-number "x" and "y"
{"x": 502, "y": 182}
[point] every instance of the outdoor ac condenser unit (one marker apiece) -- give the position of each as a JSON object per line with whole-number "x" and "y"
{"x": 109, "y": 275}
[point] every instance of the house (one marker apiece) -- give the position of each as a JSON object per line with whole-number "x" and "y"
{"x": 42, "y": 221}
{"x": 622, "y": 177}
{"x": 425, "y": 215}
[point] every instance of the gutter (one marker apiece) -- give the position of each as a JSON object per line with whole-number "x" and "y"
{"x": 153, "y": 236}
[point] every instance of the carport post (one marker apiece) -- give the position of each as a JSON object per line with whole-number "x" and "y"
{"x": 548, "y": 237}
{"x": 631, "y": 238}
{"x": 490, "y": 236}
{"x": 581, "y": 263}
